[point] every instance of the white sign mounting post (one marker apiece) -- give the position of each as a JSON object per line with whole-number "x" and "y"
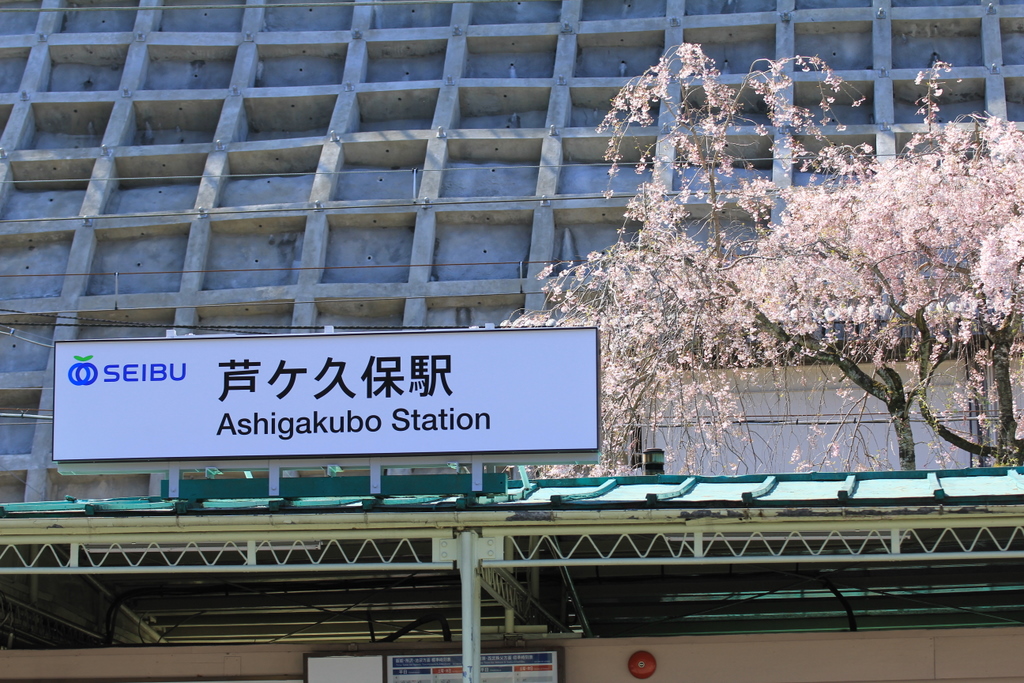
{"x": 469, "y": 573}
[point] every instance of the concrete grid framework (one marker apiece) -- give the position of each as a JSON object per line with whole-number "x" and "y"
{"x": 285, "y": 165}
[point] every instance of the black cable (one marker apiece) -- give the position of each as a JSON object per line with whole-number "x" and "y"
{"x": 725, "y": 602}
{"x": 269, "y": 5}
{"x": 446, "y": 631}
{"x": 850, "y": 618}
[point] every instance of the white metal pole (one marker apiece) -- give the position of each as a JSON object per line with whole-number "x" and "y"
{"x": 470, "y": 607}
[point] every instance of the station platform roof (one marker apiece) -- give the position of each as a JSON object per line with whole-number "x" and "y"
{"x": 980, "y": 486}
{"x": 613, "y": 557}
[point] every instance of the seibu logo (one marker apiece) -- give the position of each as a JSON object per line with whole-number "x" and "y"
{"x": 83, "y": 373}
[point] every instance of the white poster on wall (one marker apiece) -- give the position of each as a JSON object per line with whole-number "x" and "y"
{"x": 344, "y": 669}
{"x": 375, "y": 394}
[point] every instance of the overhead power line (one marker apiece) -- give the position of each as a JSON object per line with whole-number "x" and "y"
{"x": 292, "y": 269}
{"x": 622, "y": 167}
{"x": 241, "y": 6}
{"x": 310, "y": 208}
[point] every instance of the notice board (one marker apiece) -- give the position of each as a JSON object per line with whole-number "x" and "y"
{"x": 495, "y": 667}
{"x": 440, "y": 667}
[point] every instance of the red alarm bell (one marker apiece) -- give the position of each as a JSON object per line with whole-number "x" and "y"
{"x": 642, "y": 664}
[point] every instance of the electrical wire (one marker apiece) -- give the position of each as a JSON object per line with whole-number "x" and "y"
{"x": 359, "y": 171}
{"x": 355, "y": 171}
{"x": 242, "y": 6}
{"x": 904, "y": 594}
{"x": 334, "y": 614}
{"x": 213, "y": 214}
{"x": 96, "y": 322}
{"x": 11, "y": 332}
{"x": 376, "y": 266}
{"x": 249, "y": 329}
{"x": 271, "y": 175}
{"x": 725, "y": 602}
{"x": 308, "y": 206}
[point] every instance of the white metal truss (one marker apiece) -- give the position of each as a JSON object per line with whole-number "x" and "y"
{"x": 760, "y": 547}
{"x": 160, "y": 555}
{"x": 504, "y": 588}
{"x": 195, "y": 549}
{"x": 485, "y": 548}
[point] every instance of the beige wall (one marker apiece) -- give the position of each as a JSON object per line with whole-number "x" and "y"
{"x": 952, "y": 656}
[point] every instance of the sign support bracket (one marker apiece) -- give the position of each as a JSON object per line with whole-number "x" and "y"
{"x": 274, "y": 481}
{"x": 173, "y": 482}
{"x": 477, "y": 470}
{"x": 375, "y": 476}
{"x": 363, "y": 476}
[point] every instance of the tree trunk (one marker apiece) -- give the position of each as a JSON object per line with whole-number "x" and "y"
{"x": 898, "y": 405}
{"x": 904, "y": 439}
{"x": 890, "y": 391}
{"x": 888, "y": 388}
{"x": 1009, "y": 449}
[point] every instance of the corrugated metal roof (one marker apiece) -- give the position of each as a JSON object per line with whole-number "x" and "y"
{"x": 1002, "y": 486}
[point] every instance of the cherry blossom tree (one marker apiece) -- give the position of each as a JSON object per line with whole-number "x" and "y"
{"x": 883, "y": 270}
{"x": 921, "y": 259}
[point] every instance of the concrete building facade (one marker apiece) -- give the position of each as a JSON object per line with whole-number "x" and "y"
{"x": 257, "y": 166}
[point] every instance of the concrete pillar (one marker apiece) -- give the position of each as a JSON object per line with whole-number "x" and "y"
{"x": 83, "y": 245}
{"x": 20, "y": 125}
{"x": 50, "y": 22}
{"x": 252, "y": 21}
{"x": 147, "y": 21}
{"x": 6, "y": 180}
{"x": 422, "y": 259}
{"x": 665, "y": 152}
{"x": 541, "y": 254}
{"x": 37, "y": 486}
{"x": 199, "y": 234}
{"x": 103, "y": 182}
{"x": 445, "y": 114}
{"x": 784, "y": 32}
{"x": 314, "y": 252}
{"x": 992, "y": 55}
{"x": 885, "y": 144}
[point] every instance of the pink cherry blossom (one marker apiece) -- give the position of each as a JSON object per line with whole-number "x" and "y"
{"x": 882, "y": 273}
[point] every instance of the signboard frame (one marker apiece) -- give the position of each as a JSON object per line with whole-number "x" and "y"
{"x": 387, "y": 655}
{"x": 475, "y": 458}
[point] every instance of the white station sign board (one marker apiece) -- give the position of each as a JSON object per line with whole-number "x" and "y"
{"x": 364, "y": 394}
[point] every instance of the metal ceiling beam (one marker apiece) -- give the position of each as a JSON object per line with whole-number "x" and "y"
{"x": 752, "y": 560}
{"x": 503, "y": 587}
{"x": 438, "y": 524}
{"x": 405, "y": 544}
{"x": 413, "y": 549}
{"x": 224, "y": 569}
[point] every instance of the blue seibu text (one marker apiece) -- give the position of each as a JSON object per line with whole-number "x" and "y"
{"x": 402, "y": 420}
